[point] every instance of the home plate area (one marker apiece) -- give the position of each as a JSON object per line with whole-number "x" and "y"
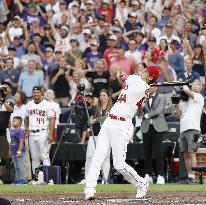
{"x": 180, "y": 198}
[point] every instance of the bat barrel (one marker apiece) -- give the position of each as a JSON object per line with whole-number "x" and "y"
{"x": 169, "y": 84}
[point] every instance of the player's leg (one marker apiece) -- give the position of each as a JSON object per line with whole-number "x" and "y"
{"x": 106, "y": 167}
{"x": 35, "y": 151}
{"x": 102, "y": 147}
{"x": 120, "y": 138}
{"x": 44, "y": 147}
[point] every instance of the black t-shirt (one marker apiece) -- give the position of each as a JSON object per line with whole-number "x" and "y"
{"x": 61, "y": 86}
{"x": 114, "y": 86}
{"x": 98, "y": 82}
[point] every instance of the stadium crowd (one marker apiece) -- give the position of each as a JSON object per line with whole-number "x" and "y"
{"x": 59, "y": 44}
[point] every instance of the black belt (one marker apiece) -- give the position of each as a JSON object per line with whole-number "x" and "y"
{"x": 35, "y": 131}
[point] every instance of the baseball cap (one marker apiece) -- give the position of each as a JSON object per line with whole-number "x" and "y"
{"x": 89, "y": 94}
{"x": 94, "y": 42}
{"x": 175, "y": 42}
{"x": 169, "y": 25}
{"x": 132, "y": 14}
{"x": 153, "y": 39}
{"x": 135, "y": 3}
{"x": 36, "y": 88}
{"x": 119, "y": 46}
{"x": 17, "y": 37}
{"x": 105, "y": 2}
{"x": 49, "y": 49}
{"x": 83, "y": 7}
{"x": 8, "y": 82}
{"x": 153, "y": 71}
{"x": 12, "y": 47}
{"x": 65, "y": 28}
{"x": 16, "y": 18}
{"x": 62, "y": 2}
{"x": 87, "y": 31}
{"x": 89, "y": 2}
{"x": 117, "y": 29}
{"x": 32, "y": 6}
{"x": 113, "y": 37}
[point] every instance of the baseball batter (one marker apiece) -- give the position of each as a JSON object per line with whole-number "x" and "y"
{"x": 117, "y": 131}
{"x": 39, "y": 126}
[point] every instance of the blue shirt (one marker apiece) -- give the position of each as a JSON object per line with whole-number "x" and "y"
{"x": 16, "y": 135}
{"x": 176, "y": 61}
{"x": 28, "y": 80}
{"x": 183, "y": 76}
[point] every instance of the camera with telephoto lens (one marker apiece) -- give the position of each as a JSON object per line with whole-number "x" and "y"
{"x": 2, "y": 90}
{"x": 81, "y": 87}
{"x": 179, "y": 92}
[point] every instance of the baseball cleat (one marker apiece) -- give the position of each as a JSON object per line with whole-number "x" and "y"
{"x": 142, "y": 191}
{"x": 89, "y": 197}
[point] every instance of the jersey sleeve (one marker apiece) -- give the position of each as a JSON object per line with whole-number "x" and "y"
{"x": 27, "y": 111}
{"x": 50, "y": 112}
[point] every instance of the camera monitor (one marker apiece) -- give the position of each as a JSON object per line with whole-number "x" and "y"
{"x": 71, "y": 134}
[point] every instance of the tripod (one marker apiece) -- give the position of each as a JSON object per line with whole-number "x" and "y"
{"x": 82, "y": 96}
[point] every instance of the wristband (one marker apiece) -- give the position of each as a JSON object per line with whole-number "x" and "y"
{"x": 18, "y": 152}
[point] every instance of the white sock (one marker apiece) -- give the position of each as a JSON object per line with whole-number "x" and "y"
{"x": 191, "y": 176}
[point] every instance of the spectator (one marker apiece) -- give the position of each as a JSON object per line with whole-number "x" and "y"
{"x": 151, "y": 42}
{"x": 20, "y": 110}
{"x": 153, "y": 127}
{"x": 189, "y": 35}
{"x": 94, "y": 55}
{"x": 190, "y": 114}
{"x": 133, "y": 51}
{"x": 74, "y": 52}
{"x": 109, "y": 54}
{"x": 132, "y": 22}
{"x": 10, "y": 74}
{"x": 167, "y": 74}
{"x": 3, "y": 48}
{"x": 175, "y": 59}
{"x": 60, "y": 82}
{"x": 99, "y": 78}
{"x": 18, "y": 149}
{"x": 20, "y": 49}
{"x": 189, "y": 73}
{"x": 126, "y": 65}
{"x": 12, "y": 54}
{"x": 29, "y": 79}
{"x": 115, "y": 85}
{"x": 31, "y": 55}
{"x": 165, "y": 18}
{"x": 105, "y": 10}
{"x": 164, "y": 48}
{"x": 50, "y": 96}
{"x": 87, "y": 39}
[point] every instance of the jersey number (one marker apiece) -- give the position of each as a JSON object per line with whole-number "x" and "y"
{"x": 122, "y": 98}
{"x": 40, "y": 120}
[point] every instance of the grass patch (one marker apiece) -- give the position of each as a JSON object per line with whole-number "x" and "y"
{"x": 100, "y": 188}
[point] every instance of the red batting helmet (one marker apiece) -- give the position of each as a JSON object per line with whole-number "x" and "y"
{"x": 153, "y": 71}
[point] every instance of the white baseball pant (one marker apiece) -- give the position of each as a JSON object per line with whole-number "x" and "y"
{"x": 39, "y": 148}
{"x": 90, "y": 154}
{"x": 114, "y": 134}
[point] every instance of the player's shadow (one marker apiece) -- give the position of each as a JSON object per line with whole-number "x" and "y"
{"x": 4, "y": 201}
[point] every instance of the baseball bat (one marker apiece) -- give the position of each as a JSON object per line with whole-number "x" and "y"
{"x": 174, "y": 83}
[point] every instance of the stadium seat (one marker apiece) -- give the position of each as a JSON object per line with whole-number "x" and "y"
{"x": 200, "y": 170}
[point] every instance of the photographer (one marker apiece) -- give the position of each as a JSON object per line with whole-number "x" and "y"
{"x": 6, "y": 107}
{"x": 190, "y": 113}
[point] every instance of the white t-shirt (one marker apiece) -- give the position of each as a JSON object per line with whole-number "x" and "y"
{"x": 191, "y": 113}
{"x": 136, "y": 56}
{"x": 131, "y": 97}
{"x": 56, "y": 108}
{"x": 19, "y": 111}
{"x": 15, "y": 32}
{"x": 39, "y": 114}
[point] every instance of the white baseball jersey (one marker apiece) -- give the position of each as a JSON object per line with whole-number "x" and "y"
{"x": 131, "y": 98}
{"x": 39, "y": 114}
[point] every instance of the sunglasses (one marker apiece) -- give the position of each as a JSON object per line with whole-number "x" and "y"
{"x": 93, "y": 45}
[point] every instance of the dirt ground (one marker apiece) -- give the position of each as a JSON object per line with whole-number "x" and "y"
{"x": 189, "y": 198}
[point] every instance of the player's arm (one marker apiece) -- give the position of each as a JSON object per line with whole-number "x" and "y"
{"x": 26, "y": 125}
{"x": 51, "y": 127}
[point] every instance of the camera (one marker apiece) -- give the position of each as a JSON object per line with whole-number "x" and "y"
{"x": 81, "y": 87}
{"x": 180, "y": 95}
{"x": 2, "y": 89}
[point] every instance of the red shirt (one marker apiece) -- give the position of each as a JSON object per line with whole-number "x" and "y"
{"x": 107, "y": 13}
{"x": 156, "y": 55}
{"x": 109, "y": 56}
